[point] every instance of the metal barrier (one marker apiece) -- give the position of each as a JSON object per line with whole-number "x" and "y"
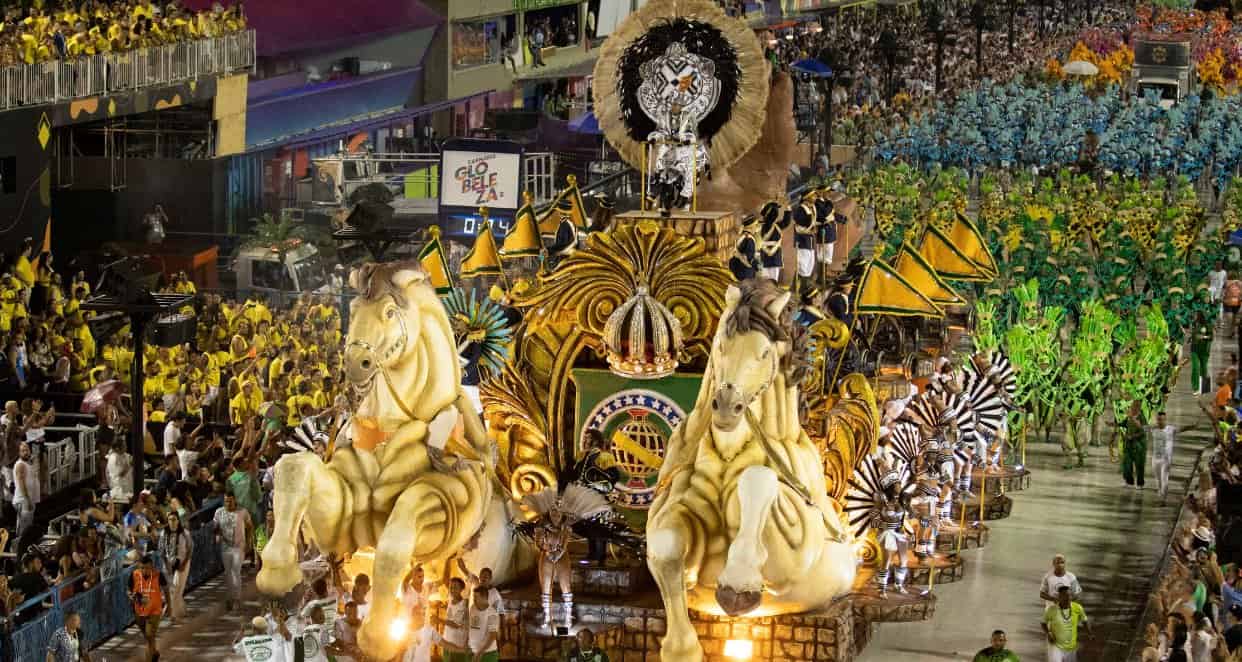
{"x": 71, "y": 458}
{"x": 92, "y": 75}
{"x": 1150, "y": 614}
{"x": 105, "y": 607}
{"x": 540, "y": 168}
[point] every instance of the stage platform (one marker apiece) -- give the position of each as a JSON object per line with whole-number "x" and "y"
{"x": 994, "y": 507}
{"x": 1008, "y": 479}
{"x": 975, "y": 536}
{"x": 632, "y": 625}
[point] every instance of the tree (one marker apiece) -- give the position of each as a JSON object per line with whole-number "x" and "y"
{"x": 981, "y": 21}
{"x": 831, "y": 57}
{"x": 1014, "y": 7}
{"x": 890, "y": 53}
{"x": 935, "y": 24}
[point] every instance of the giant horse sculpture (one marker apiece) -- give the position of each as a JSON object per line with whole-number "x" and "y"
{"x": 743, "y": 520}
{"x": 400, "y": 496}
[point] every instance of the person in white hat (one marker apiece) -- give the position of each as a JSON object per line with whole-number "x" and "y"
{"x": 258, "y": 645}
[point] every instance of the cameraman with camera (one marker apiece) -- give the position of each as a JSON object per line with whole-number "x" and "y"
{"x": 148, "y": 602}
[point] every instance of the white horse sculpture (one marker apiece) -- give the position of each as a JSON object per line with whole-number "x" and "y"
{"x": 743, "y": 521}
{"x": 394, "y": 489}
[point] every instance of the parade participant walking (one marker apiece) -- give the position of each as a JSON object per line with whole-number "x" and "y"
{"x": 1200, "y": 352}
{"x": 1055, "y": 579}
{"x": 233, "y": 533}
{"x": 148, "y": 603}
{"x": 176, "y": 548}
{"x": 1061, "y": 623}
{"x": 1134, "y": 449}
{"x": 259, "y": 645}
{"x": 1231, "y": 299}
{"x": 997, "y": 651}
{"x": 1216, "y": 284}
{"x": 456, "y": 621}
{"x": 484, "y": 628}
{"x": 1162, "y": 440}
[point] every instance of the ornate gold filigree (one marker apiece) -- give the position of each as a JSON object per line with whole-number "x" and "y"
{"x": 564, "y": 316}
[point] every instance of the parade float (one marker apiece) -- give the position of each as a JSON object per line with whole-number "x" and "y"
{"x": 641, "y": 389}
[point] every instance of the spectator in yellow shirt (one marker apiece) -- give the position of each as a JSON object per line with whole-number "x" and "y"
{"x": 244, "y": 405}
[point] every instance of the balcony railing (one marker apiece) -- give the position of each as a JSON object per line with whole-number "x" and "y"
{"x": 105, "y": 73}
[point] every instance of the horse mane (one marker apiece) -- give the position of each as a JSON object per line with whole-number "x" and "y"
{"x": 751, "y": 314}
{"x": 374, "y": 280}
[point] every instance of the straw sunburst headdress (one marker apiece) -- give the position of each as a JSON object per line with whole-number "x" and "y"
{"x": 687, "y": 54}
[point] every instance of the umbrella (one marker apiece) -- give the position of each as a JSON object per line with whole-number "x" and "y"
{"x": 813, "y": 67}
{"x": 585, "y": 123}
{"x": 103, "y": 393}
{"x": 1081, "y": 68}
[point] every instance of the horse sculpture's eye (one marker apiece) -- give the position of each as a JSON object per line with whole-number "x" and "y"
{"x": 390, "y": 313}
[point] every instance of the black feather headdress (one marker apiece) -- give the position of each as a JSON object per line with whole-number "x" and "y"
{"x": 699, "y": 38}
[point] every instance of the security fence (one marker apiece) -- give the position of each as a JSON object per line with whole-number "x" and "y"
{"x": 105, "y": 73}
{"x": 105, "y": 608}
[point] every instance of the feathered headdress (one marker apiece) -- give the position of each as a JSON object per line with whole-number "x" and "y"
{"x": 477, "y": 319}
{"x": 696, "y": 30}
{"x": 576, "y": 503}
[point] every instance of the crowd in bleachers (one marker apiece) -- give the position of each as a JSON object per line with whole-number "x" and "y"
{"x": 1195, "y": 610}
{"x": 218, "y": 410}
{"x": 66, "y": 30}
{"x": 868, "y": 95}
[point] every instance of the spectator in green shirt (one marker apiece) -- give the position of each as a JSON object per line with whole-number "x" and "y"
{"x": 997, "y": 651}
{"x": 245, "y": 487}
{"x": 1061, "y": 622}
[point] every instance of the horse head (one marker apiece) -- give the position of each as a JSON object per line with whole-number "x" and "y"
{"x": 752, "y": 347}
{"x": 396, "y": 325}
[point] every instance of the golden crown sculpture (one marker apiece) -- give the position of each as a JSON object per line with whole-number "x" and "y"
{"x": 642, "y": 337}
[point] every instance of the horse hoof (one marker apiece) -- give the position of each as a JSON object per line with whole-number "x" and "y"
{"x": 277, "y": 580}
{"x": 736, "y": 603}
{"x": 375, "y": 640}
{"x": 689, "y": 653}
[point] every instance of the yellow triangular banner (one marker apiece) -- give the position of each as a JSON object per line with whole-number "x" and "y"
{"x": 969, "y": 241}
{"x": 523, "y": 240}
{"x": 435, "y": 263}
{"x": 568, "y": 204}
{"x": 912, "y": 267}
{"x": 883, "y": 291}
{"x": 483, "y": 258}
{"x": 943, "y": 255}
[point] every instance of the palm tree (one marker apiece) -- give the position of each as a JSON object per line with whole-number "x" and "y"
{"x": 1013, "y": 6}
{"x": 936, "y": 26}
{"x": 890, "y": 52}
{"x": 981, "y": 20}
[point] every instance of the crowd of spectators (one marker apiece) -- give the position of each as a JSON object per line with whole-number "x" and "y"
{"x": 64, "y": 30}
{"x": 1195, "y": 609}
{"x": 218, "y": 411}
{"x": 887, "y": 58}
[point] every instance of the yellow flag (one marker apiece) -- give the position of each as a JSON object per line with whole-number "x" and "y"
{"x": 568, "y": 205}
{"x": 967, "y": 238}
{"x": 912, "y": 267}
{"x": 883, "y": 291}
{"x": 483, "y": 258}
{"x": 949, "y": 262}
{"x": 435, "y": 263}
{"x": 524, "y": 239}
